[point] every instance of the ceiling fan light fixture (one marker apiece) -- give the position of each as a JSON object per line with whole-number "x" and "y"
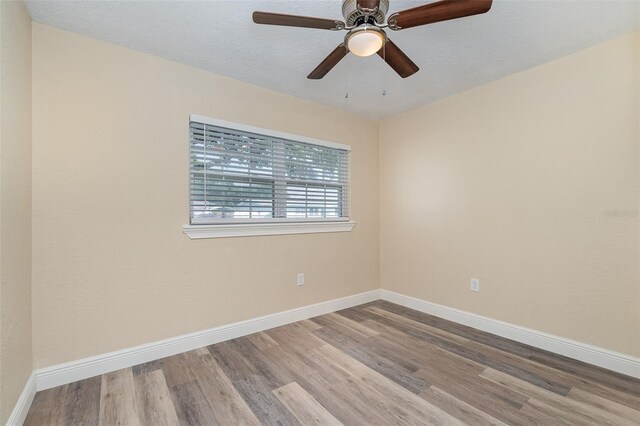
{"x": 365, "y": 40}
{"x": 364, "y": 20}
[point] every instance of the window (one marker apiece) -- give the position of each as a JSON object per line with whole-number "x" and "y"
{"x": 240, "y": 174}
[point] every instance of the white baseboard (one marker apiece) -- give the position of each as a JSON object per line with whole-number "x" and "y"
{"x": 89, "y": 367}
{"x": 601, "y": 357}
{"x": 20, "y": 411}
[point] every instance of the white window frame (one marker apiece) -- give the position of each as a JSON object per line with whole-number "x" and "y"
{"x": 277, "y": 226}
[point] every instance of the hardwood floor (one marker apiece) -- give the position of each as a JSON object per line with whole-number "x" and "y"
{"x": 374, "y": 364}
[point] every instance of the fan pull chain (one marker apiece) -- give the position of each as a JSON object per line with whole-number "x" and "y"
{"x": 384, "y": 56}
{"x": 348, "y": 79}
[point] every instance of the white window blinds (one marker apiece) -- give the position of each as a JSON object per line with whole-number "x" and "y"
{"x": 242, "y": 176}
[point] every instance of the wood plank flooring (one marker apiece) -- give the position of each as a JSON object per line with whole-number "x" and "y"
{"x": 374, "y": 364}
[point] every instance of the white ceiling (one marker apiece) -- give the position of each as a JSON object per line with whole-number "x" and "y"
{"x": 453, "y": 56}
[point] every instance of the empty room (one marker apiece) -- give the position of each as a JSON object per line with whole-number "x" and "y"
{"x": 319, "y": 212}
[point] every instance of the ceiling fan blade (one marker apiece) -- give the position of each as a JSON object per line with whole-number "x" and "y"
{"x": 396, "y": 58}
{"x": 296, "y": 21}
{"x": 436, "y": 12}
{"x": 329, "y": 62}
{"x": 369, "y": 4}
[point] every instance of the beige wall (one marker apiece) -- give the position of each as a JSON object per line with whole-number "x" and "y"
{"x": 15, "y": 203}
{"x": 511, "y": 183}
{"x": 111, "y": 266}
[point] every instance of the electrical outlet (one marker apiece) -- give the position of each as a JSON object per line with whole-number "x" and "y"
{"x": 475, "y": 284}
{"x": 301, "y": 278}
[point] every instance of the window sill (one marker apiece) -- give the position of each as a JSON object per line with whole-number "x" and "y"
{"x": 254, "y": 229}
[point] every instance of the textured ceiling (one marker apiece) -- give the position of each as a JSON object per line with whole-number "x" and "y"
{"x": 453, "y": 56}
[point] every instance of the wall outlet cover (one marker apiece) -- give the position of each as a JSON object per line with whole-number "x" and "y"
{"x": 475, "y": 284}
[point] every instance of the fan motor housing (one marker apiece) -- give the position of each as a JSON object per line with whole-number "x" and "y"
{"x": 352, "y": 15}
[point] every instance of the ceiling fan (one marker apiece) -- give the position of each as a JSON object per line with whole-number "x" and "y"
{"x": 365, "y": 23}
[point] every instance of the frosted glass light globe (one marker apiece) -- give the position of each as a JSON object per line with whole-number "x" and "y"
{"x": 365, "y": 42}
